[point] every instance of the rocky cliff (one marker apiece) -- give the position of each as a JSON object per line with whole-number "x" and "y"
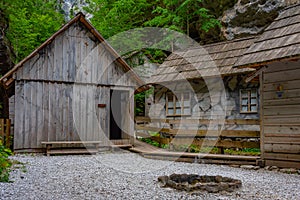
{"x": 251, "y": 17}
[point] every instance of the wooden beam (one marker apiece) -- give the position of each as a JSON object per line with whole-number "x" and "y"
{"x": 255, "y": 74}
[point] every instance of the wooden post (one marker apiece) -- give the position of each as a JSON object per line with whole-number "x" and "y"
{"x": 7, "y": 142}
{"x": 171, "y": 146}
{"x": 261, "y": 117}
{"x": 5, "y": 132}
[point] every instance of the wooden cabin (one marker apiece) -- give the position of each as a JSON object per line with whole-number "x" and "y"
{"x": 74, "y": 87}
{"x": 276, "y": 56}
{"x": 200, "y": 83}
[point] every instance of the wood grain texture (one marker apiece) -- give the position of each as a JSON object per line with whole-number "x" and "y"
{"x": 281, "y": 114}
{"x": 58, "y": 88}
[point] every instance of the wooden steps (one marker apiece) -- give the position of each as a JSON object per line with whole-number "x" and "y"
{"x": 151, "y": 152}
{"x": 58, "y": 147}
{"x": 73, "y": 151}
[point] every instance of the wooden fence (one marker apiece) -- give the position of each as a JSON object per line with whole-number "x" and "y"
{"x": 5, "y": 136}
{"x": 170, "y": 134}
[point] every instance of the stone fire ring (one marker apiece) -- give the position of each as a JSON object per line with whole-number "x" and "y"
{"x": 194, "y": 182}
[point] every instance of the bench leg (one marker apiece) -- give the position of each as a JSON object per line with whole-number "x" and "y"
{"x": 97, "y": 147}
{"x": 48, "y": 147}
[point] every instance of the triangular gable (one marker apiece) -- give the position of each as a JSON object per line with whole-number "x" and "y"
{"x": 8, "y": 79}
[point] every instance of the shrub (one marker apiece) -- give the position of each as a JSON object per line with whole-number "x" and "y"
{"x": 5, "y": 163}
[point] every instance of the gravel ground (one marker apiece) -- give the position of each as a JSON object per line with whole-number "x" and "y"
{"x": 124, "y": 175}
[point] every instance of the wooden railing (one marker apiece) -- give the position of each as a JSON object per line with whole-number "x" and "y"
{"x": 172, "y": 133}
{"x": 5, "y": 135}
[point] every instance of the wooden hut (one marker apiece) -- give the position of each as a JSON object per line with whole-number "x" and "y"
{"x": 74, "y": 87}
{"x": 276, "y": 56}
{"x": 192, "y": 73}
{"x": 198, "y": 93}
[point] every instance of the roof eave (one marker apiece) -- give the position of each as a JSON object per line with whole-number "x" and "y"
{"x": 259, "y": 64}
{"x": 7, "y": 79}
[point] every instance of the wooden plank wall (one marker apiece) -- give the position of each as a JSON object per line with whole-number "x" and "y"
{"x": 281, "y": 115}
{"x": 74, "y": 56}
{"x": 58, "y": 91}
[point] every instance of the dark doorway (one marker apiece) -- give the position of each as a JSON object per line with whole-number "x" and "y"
{"x": 118, "y": 102}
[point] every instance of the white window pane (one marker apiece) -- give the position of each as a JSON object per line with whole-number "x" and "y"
{"x": 170, "y": 104}
{"x": 244, "y": 101}
{"x": 178, "y": 111}
{"x": 245, "y": 108}
{"x": 253, "y": 101}
{"x": 254, "y": 108}
{"x": 170, "y": 111}
{"x": 178, "y": 104}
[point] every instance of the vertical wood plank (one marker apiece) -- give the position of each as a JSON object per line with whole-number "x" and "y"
{"x": 50, "y": 61}
{"x": 57, "y": 113}
{"x": 45, "y": 112}
{"x": 64, "y": 112}
{"x": 72, "y": 51}
{"x": 90, "y": 110}
{"x": 27, "y": 112}
{"x": 65, "y": 55}
{"x": 33, "y": 115}
{"x": 19, "y": 115}
{"x": 131, "y": 113}
{"x": 69, "y": 112}
{"x": 58, "y": 57}
{"x": 52, "y": 110}
{"x": 84, "y": 113}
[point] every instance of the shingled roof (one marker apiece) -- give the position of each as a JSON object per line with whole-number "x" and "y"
{"x": 206, "y": 61}
{"x": 280, "y": 40}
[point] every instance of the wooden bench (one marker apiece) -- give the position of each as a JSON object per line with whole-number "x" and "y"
{"x": 56, "y": 147}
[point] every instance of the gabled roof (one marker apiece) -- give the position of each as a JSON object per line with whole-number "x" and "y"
{"x": 206, "y": 61}
{"x": 8, "y": 79}
{"x": 279, "y": 41}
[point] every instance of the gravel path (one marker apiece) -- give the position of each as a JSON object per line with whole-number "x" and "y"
{"x": 124, "y": 175}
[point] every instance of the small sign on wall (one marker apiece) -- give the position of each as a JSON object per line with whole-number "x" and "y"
{"x": 279, "y": 91}
{"x": 101, "y": 105}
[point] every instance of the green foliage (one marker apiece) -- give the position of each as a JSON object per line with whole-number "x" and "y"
{"x": 31, "y": 22}
{"x": 183, "y": 15}
{"x": 154, "y": 143}
{"x": 112, "y": 18}
{"x": 140, "y": 101}
{"x": 5, "y": 163}
{"x": 244, "y": 151}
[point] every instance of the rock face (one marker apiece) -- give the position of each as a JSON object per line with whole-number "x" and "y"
{"x": 6, "y": 54}
{"x": 249, "y": 17}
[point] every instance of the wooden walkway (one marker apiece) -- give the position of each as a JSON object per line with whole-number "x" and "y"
{"x": 149, "y": 151}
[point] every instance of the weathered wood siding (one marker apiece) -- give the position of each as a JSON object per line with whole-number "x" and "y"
{"x": 57, "y": 92}
{"x": 12, "y": 109}
{"x": 281, "y": 114}
{"x": 207, "y": 104}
